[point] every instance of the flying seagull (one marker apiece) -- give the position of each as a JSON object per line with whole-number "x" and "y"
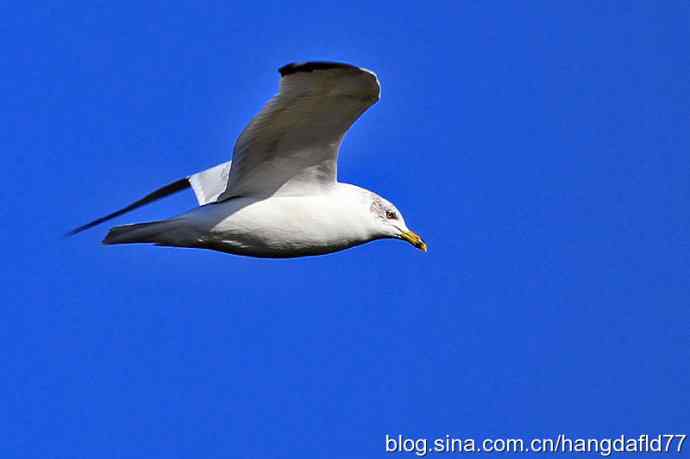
{"x": 280, "y": 196}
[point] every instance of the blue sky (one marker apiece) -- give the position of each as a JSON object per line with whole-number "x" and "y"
{"x": 541, "y": 149}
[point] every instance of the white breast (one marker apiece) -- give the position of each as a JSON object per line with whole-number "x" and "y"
{"x": 286, "y": 226}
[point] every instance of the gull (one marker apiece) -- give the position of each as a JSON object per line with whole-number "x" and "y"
{"x": 280, "y": 196}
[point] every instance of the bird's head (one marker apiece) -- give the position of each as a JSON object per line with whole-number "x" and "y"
{"x": 391, "y": 224}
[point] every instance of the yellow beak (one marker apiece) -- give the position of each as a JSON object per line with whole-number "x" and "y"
{"x": 414, "y": 239}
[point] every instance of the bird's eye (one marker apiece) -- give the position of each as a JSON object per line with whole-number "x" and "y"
{"x": 391, "y": 215}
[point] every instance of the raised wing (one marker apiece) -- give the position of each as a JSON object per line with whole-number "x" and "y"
{"x": 291, "y": 146}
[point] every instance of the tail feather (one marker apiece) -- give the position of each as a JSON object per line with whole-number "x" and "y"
{"x": 153, "y": 232}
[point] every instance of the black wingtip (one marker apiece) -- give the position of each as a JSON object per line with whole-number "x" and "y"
{"x": 297, "y": 67}
{"x": 167, "y": 190}
{"x": 78, "y": 230}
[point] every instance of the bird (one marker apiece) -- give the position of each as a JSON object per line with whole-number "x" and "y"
{"x": 279, "y": 196}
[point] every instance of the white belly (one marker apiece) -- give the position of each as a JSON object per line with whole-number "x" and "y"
{"x": 280, "y": 226}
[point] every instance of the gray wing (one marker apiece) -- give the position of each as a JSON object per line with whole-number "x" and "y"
{"x": 291, "y": 146}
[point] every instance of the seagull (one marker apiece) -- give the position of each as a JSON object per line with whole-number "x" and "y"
{"x": 280, "y": 196}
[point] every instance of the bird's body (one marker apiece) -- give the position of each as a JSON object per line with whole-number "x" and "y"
{"x": 280, "y": 196}
{"x": 275, "y": 227}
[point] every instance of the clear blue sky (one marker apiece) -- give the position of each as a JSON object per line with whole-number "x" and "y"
{"x": 541, "y": 148}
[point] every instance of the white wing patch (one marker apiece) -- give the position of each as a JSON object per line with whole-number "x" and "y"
{"x": 209, "y": 184}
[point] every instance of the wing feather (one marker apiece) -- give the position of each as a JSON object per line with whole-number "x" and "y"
{"x": 207, "y": 186}
{"x": 291, "y": 146}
